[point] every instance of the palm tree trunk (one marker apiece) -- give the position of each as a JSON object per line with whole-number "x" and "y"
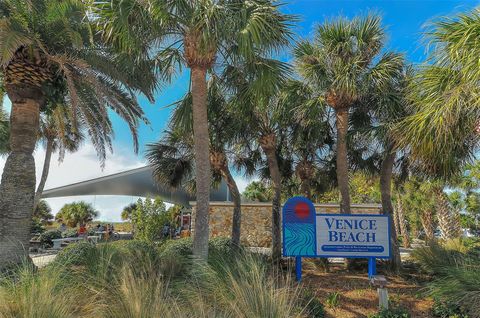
{"x": 403, "y": 225}
{"x": 45, "y": 170}
{"x": 202, "y": 161}
{"x": 268, "y": 144}
{"x": 237, "y": 206}
{"x": 342, "y": 159}
{"x": 304, "y": 171}
{"x": 396, "y": 222}
{"x": 17, "y": 188}
{"x": 427, "y": 223}
{"x": 446, "y": 219}
{"x": 387, "y": 206}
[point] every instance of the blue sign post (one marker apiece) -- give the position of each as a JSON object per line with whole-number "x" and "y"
{"x": 307, "y": 234}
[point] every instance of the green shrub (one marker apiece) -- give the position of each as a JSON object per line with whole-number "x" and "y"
{"x": 220, "y": 246}
{"x": 447, "y": 309}
{"x": 455, "y": 268}
{"x": 37, "y": 227}
{"x": 135, "y": 248}
{"x": 313, "y": 307}
{"x": 70, "y": 233}
{"x": 38, "y": 294}
{"x": 394, "y": 312}
{"x": 437, "y": 258}
{"x": 181, "y": 247}
{"x": 75, "y": 254}
{"x": 333, "y": 300}
{"x": 47, "y": 237}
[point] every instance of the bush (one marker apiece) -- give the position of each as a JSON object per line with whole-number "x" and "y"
{"x": 135, "y": 249}
{"x": 37, "y": 227}
{"x": 313, "y": 307}
{"x": 455, "y": 266}
{"x": 181, "y": 247}
{"x": 395, "y": 312}
{"x": 47, "y": 237}
{"x": 221, "y": 246}
{"x": 75, "y": 254}
{"x": 446, "y": 309}
{"x": 70, "y": 233}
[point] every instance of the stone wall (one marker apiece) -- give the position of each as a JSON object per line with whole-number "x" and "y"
{"x": 256, "y": 219}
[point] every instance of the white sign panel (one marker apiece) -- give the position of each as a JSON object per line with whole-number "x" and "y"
{"x": 347, "y": 235}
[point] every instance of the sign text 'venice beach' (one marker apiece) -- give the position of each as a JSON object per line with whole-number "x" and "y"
{"x": 333, "y": 235}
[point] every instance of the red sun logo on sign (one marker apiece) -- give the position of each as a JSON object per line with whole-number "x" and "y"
{"x": 302, "y": 210}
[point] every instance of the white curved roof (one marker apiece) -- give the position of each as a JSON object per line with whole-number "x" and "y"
{"x": 136, "y": 182}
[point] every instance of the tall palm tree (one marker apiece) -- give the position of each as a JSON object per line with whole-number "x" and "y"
{"x": 390, "y": 105}
{"x": 222, "y": 128}
{"x": 264, "y": 118}
{"x": 442, "y": 131}
{"x": 311, "y": 139}
{"x": 59, "y": 133}
{"x": 344, "y": 63}
{"x": 196, "y": 34}
{"x": 49, "y": 52}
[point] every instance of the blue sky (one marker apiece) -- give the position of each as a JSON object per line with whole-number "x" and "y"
{"x": 404, "y": 21}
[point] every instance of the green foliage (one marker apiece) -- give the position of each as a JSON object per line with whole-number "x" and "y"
{"x": 180, "y": 247}
{"x": 43, "y": 212}
{"x": 257, "y": 191}
{"x": 47, "y": 237}
{"x": 46, "y": 293}
{"x": 74, "y": 254}
{"x": 455, "y": 267}
{"x": 37, "y": 227}
{"x": 135, "y": 249}
{"x": 76, "y": 213}
{"x": 446, "y": 309}
{"x": 127, "y": 211}
{"x": 313, "y": 307}
{"x": 333, "y": 300}
{"x": 417, "y": 197}
{"x": 441, "y": 133}
{"x": 86, "y": 74}
{"x": 70, "y": 233}
{"x": 363, "y": 189}
{"x": 395, "y": 312}
{"x": 105, "y": 280}
{"x": 149, "y": 218}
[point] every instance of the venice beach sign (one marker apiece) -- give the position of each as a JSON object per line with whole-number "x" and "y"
{"x": 307, "y": 234}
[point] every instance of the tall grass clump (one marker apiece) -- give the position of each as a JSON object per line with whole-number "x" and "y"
{"x": 136, "y": 294}
{"x": 137, "y": 280}
{"x": 455, "y": 269}
{"x": 248, "y": 287}
{"x": 32, "y": 294}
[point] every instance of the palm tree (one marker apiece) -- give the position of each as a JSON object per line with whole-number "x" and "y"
{"x": 59, "y": 133}
{"x": 310, "y": 140}
{"x": 390, "y": 105}
{"x": 222, "y": 128}
{"x": 76, "y": 213}
{"x": 50, "y": 54}
{"x": 196, "y": 34}
{"x": 264, "y": 117}
{"x": 343, "y": 63}
{"x": 442, "y": 131}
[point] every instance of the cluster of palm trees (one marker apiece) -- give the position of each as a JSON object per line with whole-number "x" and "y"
{"x": 346, "y": 102}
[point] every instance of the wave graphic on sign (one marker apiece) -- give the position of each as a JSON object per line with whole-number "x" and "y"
{"x": 299, "y": 239}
